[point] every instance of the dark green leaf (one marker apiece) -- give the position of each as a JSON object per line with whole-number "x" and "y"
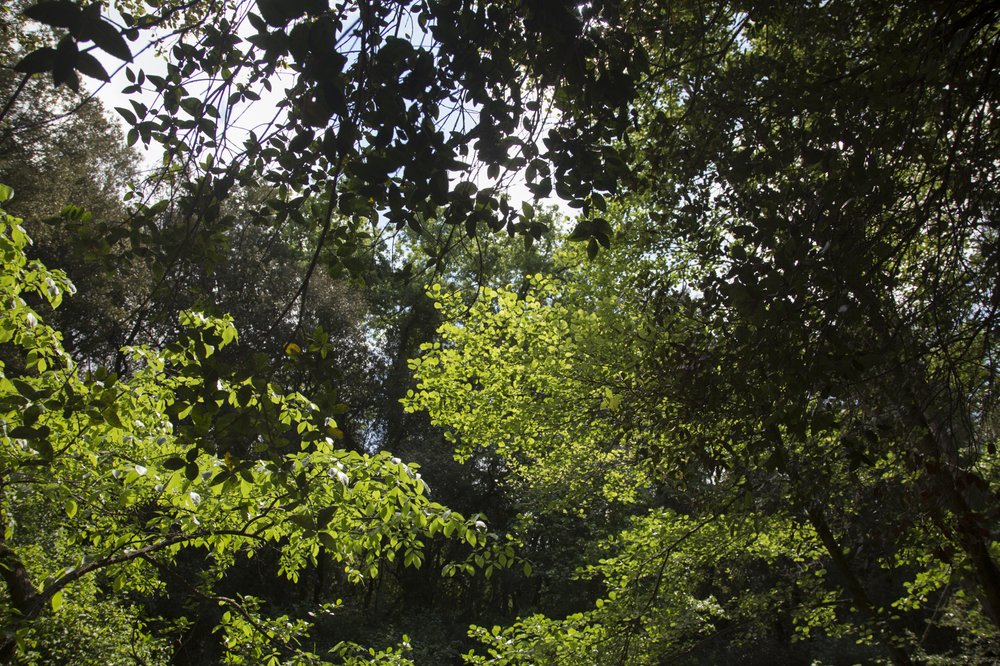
{"x": 303, "y": 520}
{"x": 23, "y": 432}
{"x": 57, "y": 13}
{"x": 584, "y": 230}
{"x": 38, "y": 61}
{"x": 44, "y": 448}
{"x": 108, "y": 39}
{"x": 273, "y": 12}
{"x": 64, "y": 67}
{"x": 91, "y": 66}
{"x": 325, "y": 515}
{"x": 328, "y": 541}
{"x": 603, "y": 227}
{"x": 173, "y": 464}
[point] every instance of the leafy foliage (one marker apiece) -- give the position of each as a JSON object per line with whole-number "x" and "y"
{"x": 136, "y": 471}
{"x": 524, "y": 360}
{"x": 763, "y": 414}
{"x": 727, "y": 497}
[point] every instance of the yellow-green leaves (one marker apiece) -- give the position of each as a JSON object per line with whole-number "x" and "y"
{"x": 183, "y": 453}
{"x": 530, "y": 377}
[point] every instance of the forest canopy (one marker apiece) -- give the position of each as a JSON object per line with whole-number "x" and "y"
{"x": 320, "y": 379}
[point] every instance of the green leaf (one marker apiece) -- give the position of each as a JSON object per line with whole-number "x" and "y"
{"x": 325, "y": 515}
{"x": 465, "y": 189}
{"x": 6, "y": 192}
{"x": 64, "y": 68}
{"x": 439, "y": 187}
{"x": 23, "y": 432}
{"x": 303, "y": 520}
{"x": 328, "y": 541}
{"x": 127, "y": 115}
{"x": 108, "y": 39}
{"x": 173, "y": 464}
{"x": 57, "y": 13}
{"x": 32, "y": 414}
{"x": 273, "y": 12}
{"x": 583, "y": 230}
{"x": 40, "y": 60}
{"x": 602, "y": 226}
{"x": 70, "y": 507}
{"x": 91, "y": 66}
{"x": 57, "y": 601}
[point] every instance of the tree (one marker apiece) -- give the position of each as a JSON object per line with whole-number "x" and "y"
{"x": 837, "y": 187}
{"x": 715, "y": 501}
{"x": 348, "y": 134}
{"x": 60, "y": 152}
{"x": 833, "y": 195}
{"x": 535, "y": 365}
{"x": 108, "y": 481}
{"x": 823, "y": 172}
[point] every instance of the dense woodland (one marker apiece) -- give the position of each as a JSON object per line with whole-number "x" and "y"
{"x": 298, "y": 367}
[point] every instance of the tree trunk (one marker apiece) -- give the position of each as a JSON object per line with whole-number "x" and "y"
{"x": 942, "y": 462}
{"x": 25, "y": 598}
{"x": 855, "y": 588}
